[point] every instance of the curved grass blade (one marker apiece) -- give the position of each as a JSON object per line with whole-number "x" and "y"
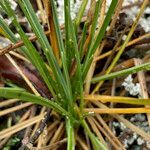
{"x": 25, "y": 96}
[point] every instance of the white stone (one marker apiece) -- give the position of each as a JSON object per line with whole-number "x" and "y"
{"x": 133, "y": 89}
{"x": 140, "y": 141}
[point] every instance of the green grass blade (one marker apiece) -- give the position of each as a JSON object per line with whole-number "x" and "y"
{"x": 83, "y": 39}
{"x": 25, "y": 96}
{"x": 62, "y": 50}
{"x": 80, "y": 13}
{"x": 132, "y": 70}
{"x": 37, "y": 28}
{"x": 120, "y": 52}
{"x": 70, "y": 135}
{"x": 99, "y": 37}
{"x": 57, "y": 28}
{"x": 68, "y": 39}
{"x": 94, "y": 24}
{"x": 9, "y": 34}
{"x": 36, "y": 59}
{"x": 97, "y": 145}
{"x": 73, "y": 42}
{"x": 3, "y": 6}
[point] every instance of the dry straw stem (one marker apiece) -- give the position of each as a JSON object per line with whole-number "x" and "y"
{"x": 128, "y": 124}
{"x": 5, "y": 140}
{"x": 112, "y": 65}
{"x": 81, "y": 142}
{"x": 25, "y": 116}
{"x": 99, "y": 128}
{"x": 41, "y": 140}
{"x": 109, "y": 59}
{"x": 50, "y": 135}
{"x": 52, "y": 146}
{"x": 50, "y": 130}
{"x": 92, "y": 67}
{"x": 53, "y": 125}
{"x": 99, "y": 50}
{"x": 20, "y": 43}
{"x": 13, "y": 109}
{"x": 108, "y": 131}
{"x": 142, "y": 81}
{"x": 11, "y": 47}
{"x": 125, "y": 64}
{"x": 38, "y": 123}
{"x": 111, "y": 140}
{"x": 89, "y": 20}
{"x": 39, "y": 128}
{"x": 134, "y": 128}
{"x": 117, "y": 110}
{"x": 106, "y": 98}
{"x": 8, "y": 102}
{"x": 20, "y": 126}
{"x": 19, "y": 56}
{"x": 133, "y": 42}
{"x": 103, "y": 127}
{"x": 42, "y": 11}
{"x": 96, "y": 131}
{"x": 57, "y": 134}
{"x": 60, "y": 135}
{"x": 51, "y": 27}
{"x": 22, "y": 74}
{"x": 28, "y": 130}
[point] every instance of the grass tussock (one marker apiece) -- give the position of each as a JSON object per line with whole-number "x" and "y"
{"x": 70, "y": 77}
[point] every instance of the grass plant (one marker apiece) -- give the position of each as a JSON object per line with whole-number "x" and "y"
{"x": 65, "y": 74}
